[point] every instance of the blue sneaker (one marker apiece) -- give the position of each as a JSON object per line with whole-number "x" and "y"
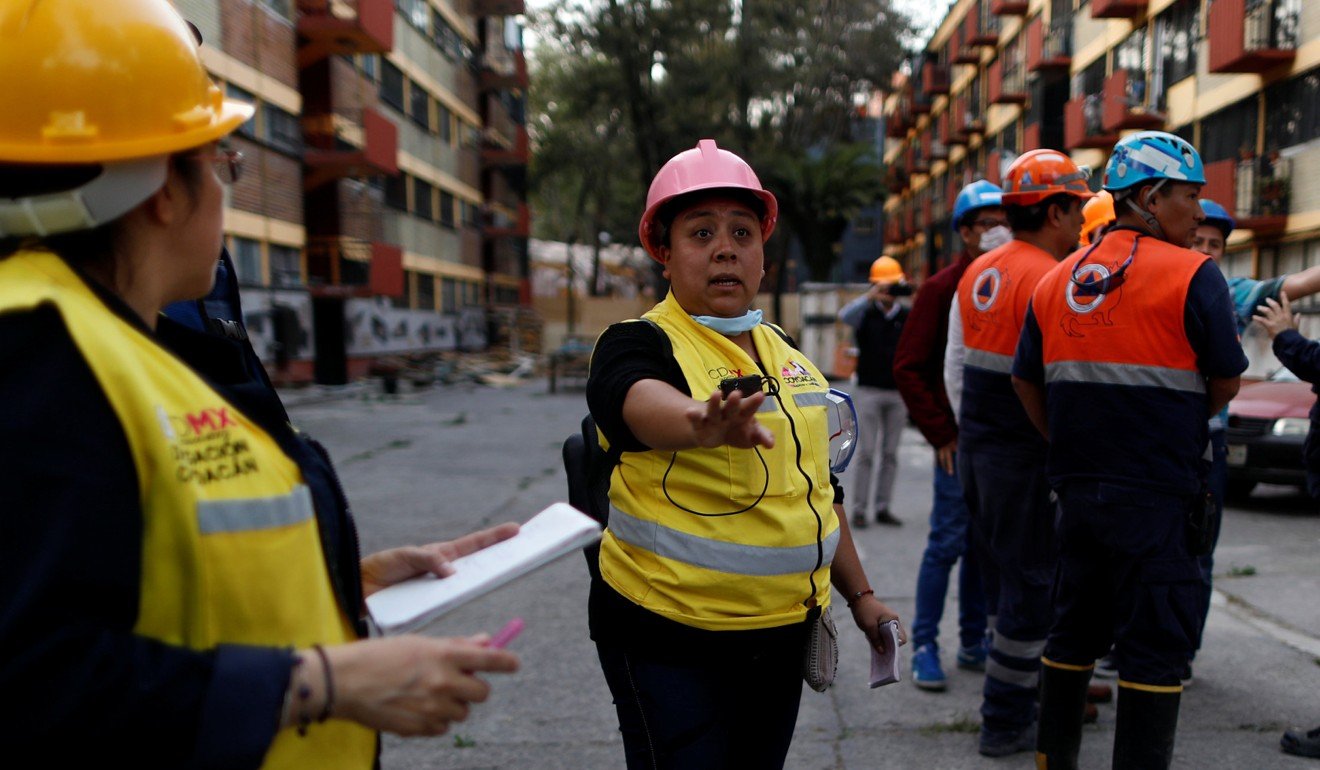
{"x": 926, "y": 671}
{"x": 972, "y": 658}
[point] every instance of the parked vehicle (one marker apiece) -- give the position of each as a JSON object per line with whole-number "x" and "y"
{"x": 1267, "y": 423}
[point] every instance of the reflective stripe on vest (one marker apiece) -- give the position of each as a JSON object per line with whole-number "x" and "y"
{"x": 1107, "y": 373}
{"x": 249, "y": 514}
{"x": 811, "y": 399}
{"x": 984, "y": 359}
{"x": 718, "y": 555}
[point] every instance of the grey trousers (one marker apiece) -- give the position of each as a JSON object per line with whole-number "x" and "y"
{"x": 881, "y": 416}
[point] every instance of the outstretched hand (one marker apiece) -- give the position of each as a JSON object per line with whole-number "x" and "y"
{"x": 395, "y": 565}
{"x": 730, "y": 422}
{"x": 1275, "y": 317}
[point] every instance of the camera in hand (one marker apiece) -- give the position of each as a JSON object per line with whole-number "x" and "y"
{"x": 903, "y": 289}
{"x": 748, "y": 386}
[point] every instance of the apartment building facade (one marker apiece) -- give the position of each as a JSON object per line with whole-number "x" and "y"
{"x": 1240, "y": 79}
{"x": 383, "y": 204}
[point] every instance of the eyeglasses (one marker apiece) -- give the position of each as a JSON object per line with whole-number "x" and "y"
{"x": 228, "y": 164}
{"x": 986, "y": 224}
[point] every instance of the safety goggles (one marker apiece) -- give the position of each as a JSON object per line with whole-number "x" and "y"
{"x": 228, "y": 164}
{"x": 843, "y": 429}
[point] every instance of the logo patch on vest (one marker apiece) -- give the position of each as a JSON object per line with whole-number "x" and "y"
{"x": 1089, "y": 307}
{"x": 204, "y": 446}
{"x": 797, "y": 375}
{"x": 985, "y": 289}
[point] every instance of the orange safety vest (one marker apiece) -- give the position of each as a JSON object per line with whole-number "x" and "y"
{"x": 992, "y": 303}
{"x": 1133, "y": 335}
{"x": 1125, "y": 397}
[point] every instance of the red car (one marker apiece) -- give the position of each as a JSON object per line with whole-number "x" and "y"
{"x": 1267, "y": 423}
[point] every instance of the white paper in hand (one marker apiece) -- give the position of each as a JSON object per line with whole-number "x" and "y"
{"x": 884, "y": 665}
{"x": 558, "y": 530}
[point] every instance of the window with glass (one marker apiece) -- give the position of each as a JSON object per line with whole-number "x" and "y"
{"x": 396, "y": 191}
{"x": 1292, "y": 111}
{"x": 422, "y": 195}
{"x": 282, "y": 129}
{"x": 285, "y": 266}
{"x": 246, "y": 254}
{"x": 425, "y": 291}
{"x": 1230, "y": 134}
{"x": 446, "y": 209}
{"x": 449, "y": 295}
{"x": 444, "y": 125}
{"x": 249, "y": 128}
{"x": 419, "y": 105}
{"x": 391, "y": 85}
{"x": 1177, "y": 32}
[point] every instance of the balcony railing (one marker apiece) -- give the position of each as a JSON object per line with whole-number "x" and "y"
{"x": 1083, "y": 123}
{"x": 1116, "y": 9}
{"x": 1052, "y": 50}
{"x": 372, "y": 141}
{"x": 1009, "y": 7}
{"x": 1263, "y": 192}
{"x": 983, "y": 26}
{"x": 1252, "y": 35}
{"x": 1128, "y": 102}
{"x": 344, "y": 28}
{"x": 934, "y": 78}
{"x": 1008, "y": 82}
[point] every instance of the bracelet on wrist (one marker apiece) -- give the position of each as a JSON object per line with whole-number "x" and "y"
{"x": 858, "y": 596}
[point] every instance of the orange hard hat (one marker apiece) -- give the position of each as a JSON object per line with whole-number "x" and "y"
{"x": 1098, "y": 212}
{"x": 887, "y": 270}
{"x": 1038, "y": 174}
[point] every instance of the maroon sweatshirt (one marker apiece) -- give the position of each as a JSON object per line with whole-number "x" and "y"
{"x": 919, "y": 359}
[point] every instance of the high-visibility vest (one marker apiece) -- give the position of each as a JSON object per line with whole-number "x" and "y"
{"x": 1125, "y": 397}
{"x": 231, "y": 552}
{"x": 746, "y": 570}
{"x": 992, "y": 304}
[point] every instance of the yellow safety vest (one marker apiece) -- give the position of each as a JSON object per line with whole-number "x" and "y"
{"x": 746, "y": 570}
{"x": 231, "y": 552}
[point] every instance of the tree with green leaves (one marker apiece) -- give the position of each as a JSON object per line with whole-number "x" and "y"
{"x": 619, "y": 87}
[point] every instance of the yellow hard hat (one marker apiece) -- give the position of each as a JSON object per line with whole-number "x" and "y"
{"x": 1098, "y": 212}
{"x": 110, "y": 80}
{"x": 887, "y": 270}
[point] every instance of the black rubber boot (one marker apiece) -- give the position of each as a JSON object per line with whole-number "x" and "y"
{"x": 1062, "y": 706}
{"x": 1147, "y": 723}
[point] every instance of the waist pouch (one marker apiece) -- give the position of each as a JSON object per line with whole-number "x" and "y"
{"x": 820, "y": 658}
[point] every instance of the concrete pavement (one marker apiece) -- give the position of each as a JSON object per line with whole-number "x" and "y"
{"x": 437, "y": 463}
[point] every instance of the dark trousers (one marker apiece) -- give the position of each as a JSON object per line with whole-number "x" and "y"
{"x": 1008, "y": 498}
{"x": 735, "y": 712}
{"x": 1125, "y": 578}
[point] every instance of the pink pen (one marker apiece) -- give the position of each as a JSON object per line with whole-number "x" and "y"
{"x": 507, "y": 634}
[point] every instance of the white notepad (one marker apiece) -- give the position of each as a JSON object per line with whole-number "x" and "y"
{"x": 884, "y": 665}
{"x": 558, "y": 530}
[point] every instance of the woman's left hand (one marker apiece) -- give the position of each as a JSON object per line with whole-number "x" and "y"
{"x": 868, "y": 613}
{"x": 395, "y": 565}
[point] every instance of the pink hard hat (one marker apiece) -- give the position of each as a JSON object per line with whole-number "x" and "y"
{"x": 705, "y": 167}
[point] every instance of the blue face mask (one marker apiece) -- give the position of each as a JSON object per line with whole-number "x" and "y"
{"x": 730, "y": 326}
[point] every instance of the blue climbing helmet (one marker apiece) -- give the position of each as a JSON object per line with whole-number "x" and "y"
{"x": 1217, "y": 216}
{"x": 1152, "y": 156}
{"x": 981, "y": 194}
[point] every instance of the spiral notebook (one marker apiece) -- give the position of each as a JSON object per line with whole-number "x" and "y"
{"x": 554, "y": 532}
